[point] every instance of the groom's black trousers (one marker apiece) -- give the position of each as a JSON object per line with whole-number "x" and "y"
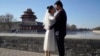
{"x": 60, "y": 44}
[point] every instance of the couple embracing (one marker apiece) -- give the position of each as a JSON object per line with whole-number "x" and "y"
{"x": 55, "y": 26}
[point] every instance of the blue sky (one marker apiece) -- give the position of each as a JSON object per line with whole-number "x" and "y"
{"x": 83, "y": 13}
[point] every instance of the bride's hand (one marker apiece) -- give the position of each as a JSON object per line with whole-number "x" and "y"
{"x": 46, "y": 28}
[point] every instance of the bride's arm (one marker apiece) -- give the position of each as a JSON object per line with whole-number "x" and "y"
{"x": 52, "y": 18}
{"x": 53, "y": 23}
{"x": 57, "y": 19}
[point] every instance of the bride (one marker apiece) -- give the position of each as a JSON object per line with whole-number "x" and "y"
{"x": 49, "y": 40}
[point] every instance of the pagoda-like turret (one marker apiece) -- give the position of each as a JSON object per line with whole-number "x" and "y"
{"x": 29, "y": 22}
{"x": 28, "y": 16}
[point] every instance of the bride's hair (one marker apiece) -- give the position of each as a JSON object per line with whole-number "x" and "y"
{"x": 50, "y": 8}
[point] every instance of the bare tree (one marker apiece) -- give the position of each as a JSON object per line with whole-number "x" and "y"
{"x": 2, "y": 18}
{"x": 8, "y": 20}
{"x": 2, "y": 22}
{"x": 73, "y": 27}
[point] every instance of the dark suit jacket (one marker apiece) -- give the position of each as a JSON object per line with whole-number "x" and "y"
{"x": 61, "y": 21}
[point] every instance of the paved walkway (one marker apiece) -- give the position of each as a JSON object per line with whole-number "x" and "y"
{"x": 11, "y": 52}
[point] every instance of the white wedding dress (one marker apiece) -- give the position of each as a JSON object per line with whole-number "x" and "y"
{"x": 49, "y": 40}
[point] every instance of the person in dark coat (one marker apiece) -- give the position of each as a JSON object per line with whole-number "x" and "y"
{"x": 60, "y": 27}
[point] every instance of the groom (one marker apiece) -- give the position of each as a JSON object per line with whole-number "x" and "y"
{"x": 60, "y": 27}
